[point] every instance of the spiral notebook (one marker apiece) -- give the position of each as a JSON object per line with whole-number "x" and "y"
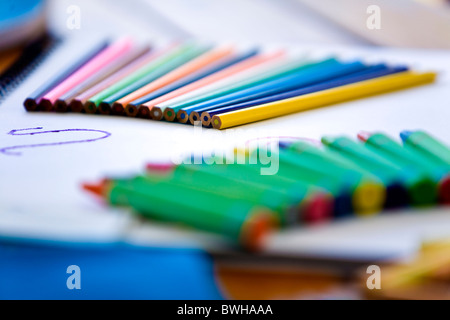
{"x": 19, "y": 63}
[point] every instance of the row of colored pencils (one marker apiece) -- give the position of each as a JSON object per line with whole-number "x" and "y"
{"x": 219, "y": 86}
{"x": 312, "y": 184}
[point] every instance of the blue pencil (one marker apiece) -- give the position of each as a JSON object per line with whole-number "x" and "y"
{"x": 312, "y": 75}
{"x": 196, "y": 76}
{"x": 369, "y": 73}
{"x": 133, "y": 108}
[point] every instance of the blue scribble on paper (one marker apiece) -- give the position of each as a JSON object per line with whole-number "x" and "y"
{"x": 12, "y": 150}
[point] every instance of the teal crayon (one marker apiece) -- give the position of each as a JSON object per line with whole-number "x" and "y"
{"x": 395, "y": 153}
{"x": 396, "y": 193}
{"x": 367, "y": 194}
{"x": 427, "y": 145}
{"x": 240, "y": 221}
{"x": 279, "y": 202}
{"x": 434, "y": 152}
{"x": 295, "y": 201}
{"x": 419, "y": 187}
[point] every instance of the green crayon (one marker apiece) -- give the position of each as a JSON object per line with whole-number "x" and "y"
{"x": 305, "y": 204}
{"x": 433, "y": 152}
{"x": 238, "y": 220}
{"x": 368, "y": 193}
{"x": 270, "y": 197}
{"x": 393, "y": 152}
{"x": 427, "y": 146}
{"x": 405, "y": 185}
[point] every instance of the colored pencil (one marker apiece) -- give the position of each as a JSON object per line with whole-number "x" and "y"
{"x": 159, "y": 106}
{"x": 322, "y": 98}
{"x": 63, "y": 102}
{"x": 141, "y": 86}
{"x": 239, "y": 82}
{"x": 118, "y": 100}
{"x": 157, "y": 58}
{"x": 260, "y": 71}
{"x": 77, "y": 103}
{"x": 311, "y": 76}
{"x": 200, "y": 63}
{"x": 195, "y": 76}
{"x": 86, "y": 71}
{"x": 32, "y": 101}
{"x": 369, "y": 73}
{"x": 162, "y": 94}
{"x": 160, "y": 67}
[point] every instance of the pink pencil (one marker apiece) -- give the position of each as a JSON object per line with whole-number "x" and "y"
{"x": 97, "y": 63}
{"x": 78, "y": 102}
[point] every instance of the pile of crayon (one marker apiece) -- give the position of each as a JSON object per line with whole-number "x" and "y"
{"x": 219, "y": 86}
{"x": 341, "y": 178}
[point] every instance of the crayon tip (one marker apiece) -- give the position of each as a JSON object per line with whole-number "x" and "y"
{"x": 97, "y": 189}
{"x": 363, "y": 136}
{"x": 318, "y": 209}
{"x": 404, "y": 135}
{"x": 284, "y": 144}
{"x": 256, "y": 228}
{"x": 159, "y": 167}
{"x": 368, "y": 198}
{"x": 444, "y": 191}
{"x": 327, "y": 140}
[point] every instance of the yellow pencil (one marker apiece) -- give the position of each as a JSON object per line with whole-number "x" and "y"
{"x": 321, "y": 98}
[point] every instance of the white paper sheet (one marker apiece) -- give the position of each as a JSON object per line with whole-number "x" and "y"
{"x": 41, "y": 197}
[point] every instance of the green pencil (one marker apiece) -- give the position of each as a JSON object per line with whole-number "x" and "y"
{"x": 161, "y": 57}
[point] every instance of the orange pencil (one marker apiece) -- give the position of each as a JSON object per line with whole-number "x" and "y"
{"x": 176, "y": 74}
{"x": 157, "y": 112}
{"x": 78, "y": 102}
